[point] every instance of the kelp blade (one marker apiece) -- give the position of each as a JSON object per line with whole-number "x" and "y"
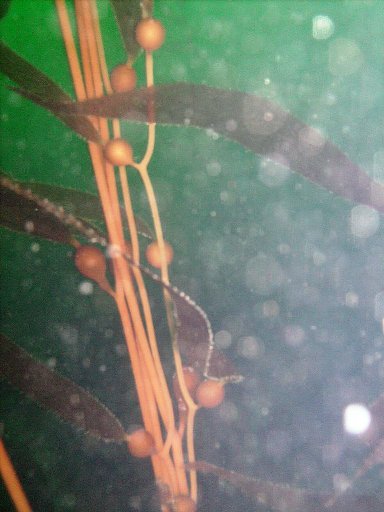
{"x": 128, "y": 13}
{"x": 42, "y": 88}
{"x": 253, "y": 121}
{"x": 194, "y": 333}
{"x": 21, "y": 214}
{"x": 286, "y": 498}
{"x": 16, "y": 209}
{"x": 60, "y": 395}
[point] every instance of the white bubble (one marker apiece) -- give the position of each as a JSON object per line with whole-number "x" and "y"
{"x": 51, "y": 362}
{"x": 213, "y": 168}
{"x": 270, "y": 309}
{"x": 260, "y": 119}
{"x": 86, "y": 288}
{"x": 113, "y": 251}
{"x": 294, "y": 335}
{"x": 263, "y": 274}
{"x": 231, "y": 125}
{"x": 311, "y": 140}
{"x": 322, "y": 27}
{"x": 74, "y": 399}
{"x": 228, "y": 412}
{"x": 223, "y": 339}
{"x": 250, "y": 347}
{"x": 341, "y": 483}
{"x": 364, "y": 221}
{"x": 351, "y": 299}
{"x": 29, "y": 226}
{"x": 273, "y": 174}
{"x": 344, "y": 57}
{"x": 35, "y": 247}
{"x": 356, "y": 419}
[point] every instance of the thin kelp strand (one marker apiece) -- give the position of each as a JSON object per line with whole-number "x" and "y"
{"x": 58, "y": 394}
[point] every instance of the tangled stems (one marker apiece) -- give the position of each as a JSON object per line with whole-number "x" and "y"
{"x": 91, "y": 79}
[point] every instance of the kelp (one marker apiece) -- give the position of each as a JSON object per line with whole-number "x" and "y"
{"x": 24, "y": 210}
{"x": 55, "y": 393}
{"x": 254, "y": 122}
{"x": 286, "y": 498}
{"x": 42, "y": 88}
{"x": 128, "y": 13}
{"x": 83, "y": 205}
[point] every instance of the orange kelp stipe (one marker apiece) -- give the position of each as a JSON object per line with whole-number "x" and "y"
{"x": 150, "y": 34}
{"x": 140, "y": 443}
{"x": 153, "y": 254}
{"x": 123, "y": 78}
{"x": 183, "y": 504}
{"x": 12, "y": 482}
{"x": 191, "y": 381}
{"x": 210, "y": 393}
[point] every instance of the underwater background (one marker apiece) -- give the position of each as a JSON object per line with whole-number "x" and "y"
{"x": 290, "y": 275}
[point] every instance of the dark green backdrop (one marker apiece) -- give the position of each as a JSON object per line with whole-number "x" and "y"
{"x": 270, "y": 256}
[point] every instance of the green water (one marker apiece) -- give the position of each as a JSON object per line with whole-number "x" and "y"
{"x": 288, "y": 273}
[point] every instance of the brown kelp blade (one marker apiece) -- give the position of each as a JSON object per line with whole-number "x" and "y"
{"x": 4, "y": 6}
{"x": 285, "y": 498}
{"x": 42, "y": 88}
{"x": 193, "y": 329}
{"x": 253, "y": 121}
{"x": 194, "y": 334}
{"x": 21, "y": 214}
{"x": 128, "y": 13}
{"x": 82, "y": 205}
{"x": 60, "y": 395}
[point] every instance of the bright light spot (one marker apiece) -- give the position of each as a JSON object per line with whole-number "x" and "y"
{"x": 344, "y": 57}
{"x": 35, "y": 247}
{"x": 322, "y": 27}
{"x": 356, "y": 419}
{"x": 364, "y": 221}
{"x": 86, "y": 288}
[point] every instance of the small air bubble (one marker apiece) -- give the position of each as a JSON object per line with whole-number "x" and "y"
{"x": 86, "y": 288}
{"x": 35, "y": 247}
{"x": 29, "y": 226}
{"x": 322, "y": 27}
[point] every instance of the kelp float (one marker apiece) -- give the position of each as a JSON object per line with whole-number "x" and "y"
{"x": 201, "y": 371}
